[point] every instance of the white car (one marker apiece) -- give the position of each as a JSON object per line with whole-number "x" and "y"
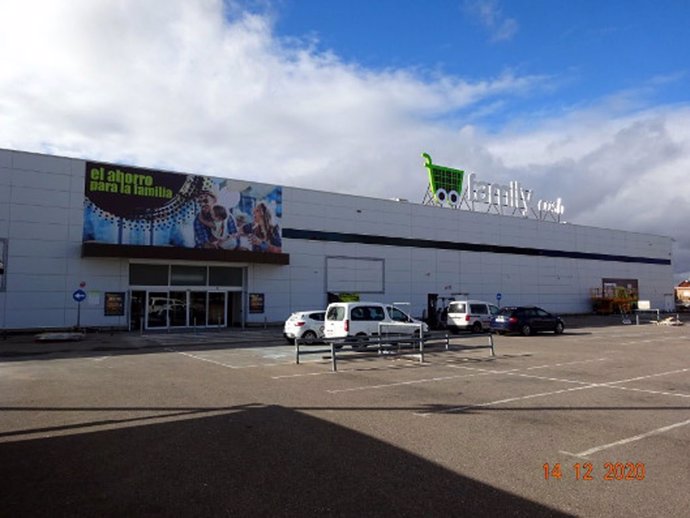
{"x": 470, "y": 315}
{"x": 357, "y": 321}
{"x": 305, "y": 325}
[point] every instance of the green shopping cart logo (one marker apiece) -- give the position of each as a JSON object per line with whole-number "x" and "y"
{"x": 445, "y": 183}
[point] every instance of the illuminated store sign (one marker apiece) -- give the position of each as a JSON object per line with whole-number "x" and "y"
{"x": 132, "y": 206}
{"x": 447, "y": 190}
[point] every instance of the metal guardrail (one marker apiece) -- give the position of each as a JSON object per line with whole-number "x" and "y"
{"x": 638, "y": 311}
{"x": 387, "y": 344}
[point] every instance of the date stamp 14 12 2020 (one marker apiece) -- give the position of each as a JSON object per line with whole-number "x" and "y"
{"x": 587, "y": 471}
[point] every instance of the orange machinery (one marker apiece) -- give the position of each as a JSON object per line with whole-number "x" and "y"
{"x": 613, "y": 299}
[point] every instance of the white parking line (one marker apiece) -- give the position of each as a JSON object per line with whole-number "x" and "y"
{"x": 228, "y": 366}
{"x": 231, "y": 366}
{"x": 648, "y": 391}
{"x": 567, "y": 363}
{"x": 401, "y": 383}
{"x": 500, "y": 401}
{"x": 586, "y": 453}
{"x": 585, "y": 385}
{"x": 398, "y": 366}
{"x": 648, "y": 376}
{"x": 303, "y": 375}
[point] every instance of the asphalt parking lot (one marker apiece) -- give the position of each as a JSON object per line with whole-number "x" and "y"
{"x": 209, "y": 425}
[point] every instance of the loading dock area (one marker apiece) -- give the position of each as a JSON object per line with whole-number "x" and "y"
{"x": 589, "y": 423}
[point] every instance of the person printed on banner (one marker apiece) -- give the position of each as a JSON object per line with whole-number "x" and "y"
{"x": 226, "y": 231}
{"x": 265, "y": 234}
{"x": 244, "y": 231}
{"x": 203, "y": 222}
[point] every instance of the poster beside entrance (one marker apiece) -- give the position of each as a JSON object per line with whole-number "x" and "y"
{"x": 256, "y": 302}
{"x": 114, "y": 304}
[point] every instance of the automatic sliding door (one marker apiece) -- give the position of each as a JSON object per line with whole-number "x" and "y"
{"x": 197, "y": 308}
{"x": 178, "y": 309}
{"x": 157, "y": 309}
{"x": 185, "y": 309}
{"x": 216, "y": 308}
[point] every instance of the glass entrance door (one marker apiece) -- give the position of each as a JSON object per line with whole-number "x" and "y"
{"x": 186, "y": 309}
{"x": 197, "y": 308}
{"x": 137, "y": 310}
{"x": 216, "y": 308}
{"x": 177, "y": 313}
{"x": 157, "y": 306}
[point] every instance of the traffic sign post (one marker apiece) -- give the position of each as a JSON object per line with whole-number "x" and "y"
{"x": 79, "y": 296}
{"x": 498, "y": 298}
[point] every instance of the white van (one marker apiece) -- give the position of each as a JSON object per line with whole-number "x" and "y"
{"x": 470, "y": 315}
{"x": 358, "y": 321}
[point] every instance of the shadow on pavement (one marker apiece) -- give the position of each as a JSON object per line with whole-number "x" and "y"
{"x": 249, "y": 461}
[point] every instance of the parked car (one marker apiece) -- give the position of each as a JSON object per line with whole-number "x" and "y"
{"x": 305, "y": 325}
{"x": 357, "y": 321}
{"x": 470, "y": 315}
{"x": 526, "y": 320}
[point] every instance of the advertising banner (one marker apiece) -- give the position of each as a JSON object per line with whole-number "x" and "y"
{"x": 132, "y": 206}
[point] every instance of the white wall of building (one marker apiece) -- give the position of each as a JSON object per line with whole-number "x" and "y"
{"x": 559, "y": 284}
{"x": 41, "y": 204}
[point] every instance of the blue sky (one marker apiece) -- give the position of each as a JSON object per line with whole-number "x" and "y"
{"x": 584, "y": 50}
{"x": 587, "y": 101}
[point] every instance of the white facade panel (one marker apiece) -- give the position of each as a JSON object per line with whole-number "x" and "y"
{"x": 39, "y": 231}
{"x": 5, "y": 160}
{"x": 21, "y": 248}
{"x": 48, "y": 181}
{"x": 359, "y": 275}
{"x": 45, "y": 163}
{"x": 5, "y": 177}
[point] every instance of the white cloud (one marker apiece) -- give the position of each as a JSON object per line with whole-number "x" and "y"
{"x": 182, "y": 85}
{"x": 491, "y": 17}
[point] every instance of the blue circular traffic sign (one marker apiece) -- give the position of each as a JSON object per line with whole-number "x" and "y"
{"x": 79, "y": 295}
{"x": 498, "y": 296}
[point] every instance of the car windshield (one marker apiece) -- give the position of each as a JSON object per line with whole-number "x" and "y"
{"x": 336, "y": 313}
{"x": 398, "y": 315}
{"x": 506, "y": 311}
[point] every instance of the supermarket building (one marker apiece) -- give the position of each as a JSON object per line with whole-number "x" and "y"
{"x": 108, "y": 245}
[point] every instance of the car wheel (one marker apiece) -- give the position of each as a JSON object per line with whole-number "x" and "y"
{"x": 526, "y": 330}
{"x": 308, "y": 338}
{"x": 559, "y": 328}
{"x": 360, "y": 343}
{"x": 477, "y": 327}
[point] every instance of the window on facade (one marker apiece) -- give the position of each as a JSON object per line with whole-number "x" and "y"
{"x": 224, "y": 276}
{"x": 148, "y": 275}
{"x": 187, "y": 275}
